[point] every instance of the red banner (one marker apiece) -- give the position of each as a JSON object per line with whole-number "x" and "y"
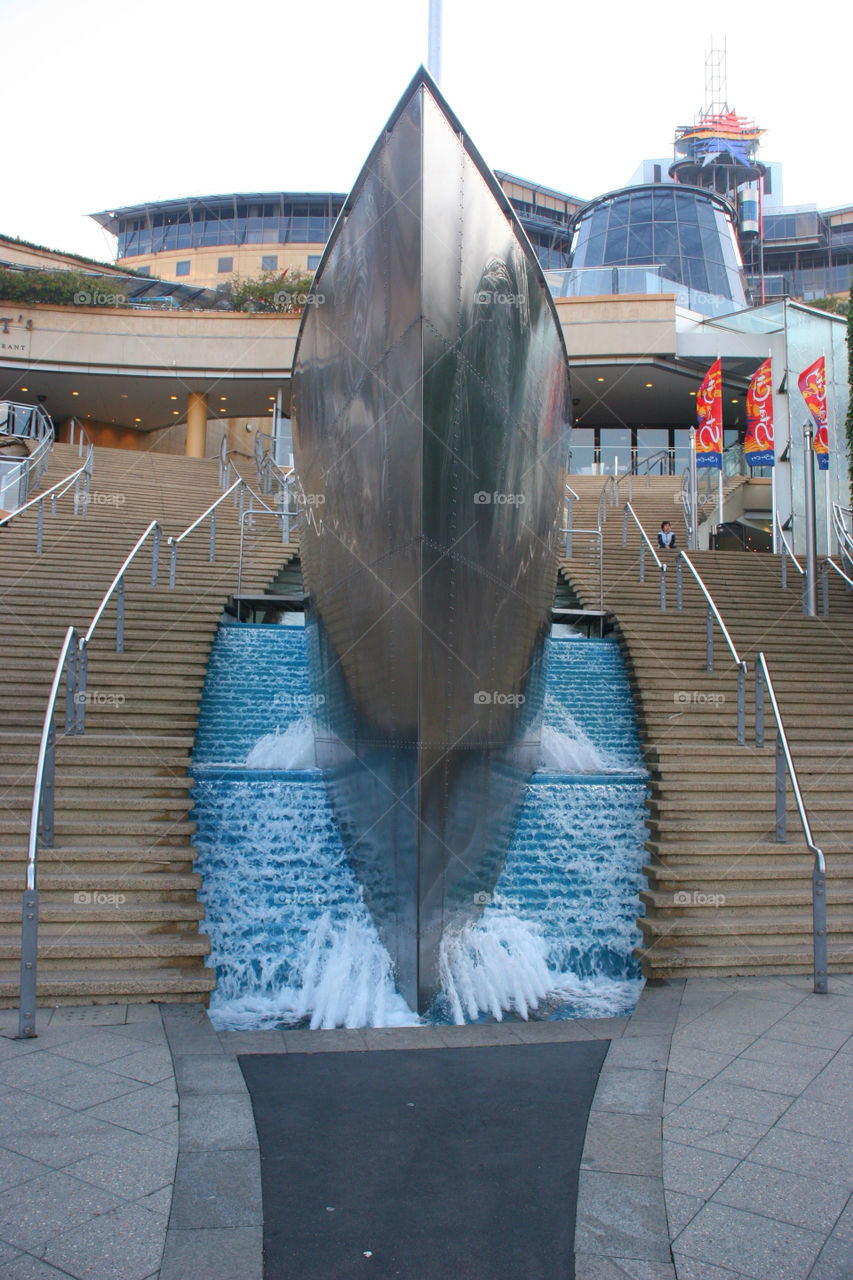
{"x": 758, "y": 446}
{"x": 812, "y": 384}
{"x": 709, "y": 411}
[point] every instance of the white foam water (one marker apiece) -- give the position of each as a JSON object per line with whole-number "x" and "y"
{"x": 291, "y": 749}
{"x": 570, "y": 751}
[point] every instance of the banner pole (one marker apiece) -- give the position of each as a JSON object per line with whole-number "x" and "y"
{"x": 773, "y": 514}
{"x": 810, "y": 601}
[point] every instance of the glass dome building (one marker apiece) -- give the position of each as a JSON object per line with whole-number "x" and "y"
{"x": 658, "y": 239}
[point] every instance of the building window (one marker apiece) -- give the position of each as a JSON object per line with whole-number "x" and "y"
{"x": 144, "y": 271}
{"x": 314, "y": 261}
{"x": 269, "y": 262}
{"x": 225, "y": 264}
{"x": 182, "y": 268}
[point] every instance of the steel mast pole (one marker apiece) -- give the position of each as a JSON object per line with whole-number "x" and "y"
{"x": 811, "y": 531}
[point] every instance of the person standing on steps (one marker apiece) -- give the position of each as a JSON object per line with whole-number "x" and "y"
{"x": 666, "y": 537}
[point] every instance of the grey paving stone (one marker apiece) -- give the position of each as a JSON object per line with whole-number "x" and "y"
{"x": 251, "y": 1042}
{"x": 727, "y": 1041}
{"x": 679, "y": 1088}
{"x": 142, "y": 1110}
{"x": 618, "y": 1143}
{"x": 694, "y": 1171}
{"x": 631, "y": 1091}
{"x": 403, "y": 1038}
{"x": 51, "y": 1135}
{"x": 835, "y": 1261}
{"x": 790, "y": 1197}
{"x": 620, "y": 1215}
{"x": 804, "y": 1154}
{"x": 208, "y": 1073}
{"x": 89, "y": 1015}
{"x": 780, "y": 987}
{"x": 126, "y": 1241}
{"x": 726, "y": 1134}
{"x": 94, "y": 1049}
{"x": 770, "y": 1050}
{"x": 649, "y": 1027}
{"x": 148, "y": 1066}
{"x": 140, "y": 1012}
{"x": 80, "y": 1089}
{"x": 559, "y": 1031}
{"x": 696, "y": 1060}
{"x": 142, "y": 1032}
{"x": 605, "y": 1028}
{"x": 128, "y": 1164}
{"x": 26, "y": 1267}
{"x": 235, "y": 1254}
{"x": 681, "y": 1209}
{"x": 481, "y": 1033}
{"x": 834, "y": 1122}
{"x": 216, "y": 1122}
{"x": 646, "y": 1052}
{"x": 690, "y": 1269}
{"x": 34, "y": 1070}
{"x": 800, "y": 1030}
{"x": 323, "y": 1041}
{"x": 15, "y": 1168}
{"x": 747, "y": 1243}
{"x": 36, "y": 1210}
{"x": 590, "y": 1267}
{"x": 756, "y": 1105}
{"x": 775, "y": 1077}
{"x": 844, "y": 1226}
{"x": 217, "y": 1189}
{"x": 159, "y": 1202}
{"x": 7, "y": 1253}
{"x": 834, "y": 1084}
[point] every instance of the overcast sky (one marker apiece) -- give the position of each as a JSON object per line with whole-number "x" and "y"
{"x": 109, "y": 103}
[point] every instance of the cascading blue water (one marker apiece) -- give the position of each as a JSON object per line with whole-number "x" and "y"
{"x": 293, "y": 942}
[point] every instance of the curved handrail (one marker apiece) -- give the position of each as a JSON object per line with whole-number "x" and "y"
{"x": 739, "y": 661}
{"x": 829, "y": 561}
{"x": 787, "y": 546}
{"x": 629, "y": 510}
{"x": 571, "y": 492}
{"x": 154, "y": 527}
{"x": 783, "y": 754}
{"x": 41, "y": 814}
{"x": 55, "y": 491}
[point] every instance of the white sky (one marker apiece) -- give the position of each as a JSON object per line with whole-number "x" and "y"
{"x": 111, "y": 102}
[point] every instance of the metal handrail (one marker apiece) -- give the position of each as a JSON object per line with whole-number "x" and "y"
{"x": 569, "y": 498}
{"x": 712, "y": 614}
{"x": 784, "y": 760}
{"x": 41, "y": 816}
{"x": 597, "y": 534}
{"x": 644, "y": 542}
{"x": 57, "y": 490}
{"x": 247, "y": 517}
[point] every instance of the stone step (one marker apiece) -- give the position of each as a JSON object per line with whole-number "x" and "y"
{"x": 58, "y": 986}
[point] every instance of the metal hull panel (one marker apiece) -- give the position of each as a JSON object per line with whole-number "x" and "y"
{"x": 430, "y": 399}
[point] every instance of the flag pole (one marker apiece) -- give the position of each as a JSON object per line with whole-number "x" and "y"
{"x": 826, "y": 473}
{"x": 773, "y": 515}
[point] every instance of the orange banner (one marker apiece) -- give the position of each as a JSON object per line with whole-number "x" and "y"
{"x": 758, "y": 446}
{"x": 812, "y": 384}
{"x": 709, "y": 411}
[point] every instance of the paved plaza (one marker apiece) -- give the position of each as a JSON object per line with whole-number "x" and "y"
{"x": 719, "y": 1144}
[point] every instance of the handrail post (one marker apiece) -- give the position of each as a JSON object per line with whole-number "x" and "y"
{"x": 642, "y": 560}
{"x": 821, "y": 955}
{"x": 569, "y": 518}
{"x": 212, "y": 536}
{"x": 242, "y": 492}
{"x": 173, "y": 562}
{"x": 825, "y": 573}
{"x": 625, "y": 528}
{"x": 759, "y": 706}
{"x": 663, "y": 586}
{"x": 82, "y": 670}
{"x": 85, "y": 492}
{"x": 155, "y": 556}
{"x": 70, "y": 690}
{"x": 40, "y": 526}
{"x": 47, "y": 788}
{"x": 679, "y": 583}
{"x": 120, "y": 615}
{"x": 741, "y": 705}
{"x": 250, "y": 515}
{"x": 29, "y": 955}
{"x": 784, "y": 565}
{"x": 709, "y": 640}
{"x": 781, "y": 817}
{"x": 630, "y": 486}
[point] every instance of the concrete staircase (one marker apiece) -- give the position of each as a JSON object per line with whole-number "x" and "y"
{"x": 724, "y": 896}
{"x": 119, "y": 915}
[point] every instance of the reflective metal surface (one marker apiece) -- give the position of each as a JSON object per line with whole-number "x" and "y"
{"x": 430, "y": 407}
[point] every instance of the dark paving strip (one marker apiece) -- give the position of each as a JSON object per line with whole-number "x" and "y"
{"x": 414, "y": 1165}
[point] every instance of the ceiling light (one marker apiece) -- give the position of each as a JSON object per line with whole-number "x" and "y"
{"x": 600, "y": 379}
{"x": 176, "y": 413}
{"x": 649, "y": 384}
{"x": 268, "y": 397}
{"x": 124, "y": 395}
{"x": 223, "y": 397}
{"x": 173, "y": 397}
{"x": 75, "y": 393}
{"x": 24, "y": 388}
{"x": 137, "y": 419}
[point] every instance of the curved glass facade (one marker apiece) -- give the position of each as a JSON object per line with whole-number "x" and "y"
{"x": 682, "y": 234}
{"x": 195, "y": 224}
